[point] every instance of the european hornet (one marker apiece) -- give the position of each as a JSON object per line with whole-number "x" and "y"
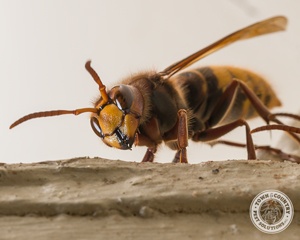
{"x": 203, "y": 104}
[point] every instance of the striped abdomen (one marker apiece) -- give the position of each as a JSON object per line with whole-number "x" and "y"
{"x": 203, "y": 87}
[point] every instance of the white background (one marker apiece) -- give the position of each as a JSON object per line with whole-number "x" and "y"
{"x": 44, "y": 45}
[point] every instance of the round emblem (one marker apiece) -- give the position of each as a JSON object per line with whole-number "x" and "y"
{"x": 271, "y": 211}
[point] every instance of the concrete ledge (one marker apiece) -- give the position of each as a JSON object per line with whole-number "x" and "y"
{"x": 133, "y": 200}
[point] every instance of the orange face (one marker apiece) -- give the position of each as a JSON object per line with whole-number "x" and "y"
{"x": 118, "y": 119}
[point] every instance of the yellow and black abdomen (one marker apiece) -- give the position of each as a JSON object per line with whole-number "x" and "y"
{"x": 203, "y": 87}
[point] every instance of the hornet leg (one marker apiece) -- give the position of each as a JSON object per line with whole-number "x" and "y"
{"x": 221, "y": 108}
{"x": 263, "y": 111}
{"x": 215, "y": 133}
{"x": 271, "y": 150}
{"x": 149, "y": 155}
{"x": 182, "y": 137}
{"x": 228, "y": 96}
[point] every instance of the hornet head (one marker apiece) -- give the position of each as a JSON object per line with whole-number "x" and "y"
{"x": 115, "y": 117}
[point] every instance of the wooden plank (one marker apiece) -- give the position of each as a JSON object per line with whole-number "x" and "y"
{"x": 127, "y": 200}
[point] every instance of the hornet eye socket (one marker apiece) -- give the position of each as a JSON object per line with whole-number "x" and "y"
{"x": 96, "y": 127}
{"x": 120, "y": 104}
{"x": 122, "y": 96}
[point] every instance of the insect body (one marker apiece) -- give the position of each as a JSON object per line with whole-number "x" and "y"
{"x": 203, "y": 87}
{"x": 204, "y": 104}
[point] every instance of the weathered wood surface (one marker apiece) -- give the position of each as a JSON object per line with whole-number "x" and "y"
{"x": 97, "y": 198}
